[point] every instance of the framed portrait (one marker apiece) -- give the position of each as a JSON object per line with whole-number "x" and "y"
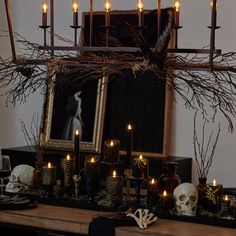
{"x": 74, "y": 106}
{"x": 142, "y": 100}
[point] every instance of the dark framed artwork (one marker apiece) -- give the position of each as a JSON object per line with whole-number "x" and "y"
{"x": 71, "y": 107}
{"x": 143, "y": 100}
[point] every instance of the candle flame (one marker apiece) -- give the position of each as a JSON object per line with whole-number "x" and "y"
{"x": 164, "y": 193}
{"x": 49, "y": 165}
{"x": 141, "y": 157}
{"x": 153, "y": 181}
{"x": 214, "y": 182}
{"x": 68, "y": 157}
{"x": 44, "y": 6}
{"x": 112, "y": 143}
{"x": 211, "y": 4}
{"x": 75, "y": 6}
{"x": 107, "y": 5}
{"x": 92, "y": 159}
{"x": 114, "y": 174}
{"x": 77, "y": 132}
{"x": 129, "y": 127}
{"x": 177, "y": 5}
{"x": 226, "y": 198}
{"x": 140, "y": 5}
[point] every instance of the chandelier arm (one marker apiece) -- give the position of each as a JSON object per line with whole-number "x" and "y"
{"x": 13, "y": 49}
{"x": 212, "y": 37}
{"x": 52, "y": 24}
{"x": 91, "y": 24}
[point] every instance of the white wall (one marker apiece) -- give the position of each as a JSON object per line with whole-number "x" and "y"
{"x": 195, "y": 17}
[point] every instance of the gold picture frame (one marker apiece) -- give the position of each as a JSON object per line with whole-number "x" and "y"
{"x": 54, "y": 117}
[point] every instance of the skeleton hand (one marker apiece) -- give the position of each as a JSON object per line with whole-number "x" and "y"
{"x": 143, "y": 217}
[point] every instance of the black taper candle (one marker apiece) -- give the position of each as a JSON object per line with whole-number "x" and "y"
{"x": 129, "y": 146}
{"x": 77, "y": 153}
{"x": 75, "y": 19}
{"x": 44, "y": 19}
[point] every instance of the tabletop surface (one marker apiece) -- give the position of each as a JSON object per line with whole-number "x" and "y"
{"x": 72, "y": 220}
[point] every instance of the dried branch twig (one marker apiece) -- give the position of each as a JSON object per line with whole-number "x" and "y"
{"x": 202, "y": 153}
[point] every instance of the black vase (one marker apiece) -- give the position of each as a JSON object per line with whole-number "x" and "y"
{"x": 169, "y": 180}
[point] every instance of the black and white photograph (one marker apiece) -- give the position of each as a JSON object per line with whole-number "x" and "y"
{"x": 76, "y": 106}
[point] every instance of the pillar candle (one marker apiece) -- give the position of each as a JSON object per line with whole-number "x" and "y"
{"x": 49, "y": 175}
{"x": 67, "y": 170}
{"x": 92, "y": 174}
{"x": 152, "y": 185}
{"x": 111, "y": 150}
{"x": 140, "y": 167}
{"x": 152, "y": 193}
{"x": 216, "y": 191}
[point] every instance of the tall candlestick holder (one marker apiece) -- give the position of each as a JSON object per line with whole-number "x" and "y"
{"x": 140, "y": 26}
{"x": 75, "y": 27}
{"x": 44, "y": 27}
{"x": 176, "y": 28}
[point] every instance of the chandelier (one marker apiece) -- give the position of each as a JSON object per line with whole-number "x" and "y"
{"x": 49, "y": 8}
{"x": 202, "y": 77}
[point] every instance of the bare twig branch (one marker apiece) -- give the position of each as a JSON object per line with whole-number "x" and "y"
{"x": 203, "y": 155}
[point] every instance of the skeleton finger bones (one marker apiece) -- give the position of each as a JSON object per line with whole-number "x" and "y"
{"x": 143, "y": 217}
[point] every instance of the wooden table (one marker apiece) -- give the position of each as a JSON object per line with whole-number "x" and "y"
{"x": 71, "y": 220}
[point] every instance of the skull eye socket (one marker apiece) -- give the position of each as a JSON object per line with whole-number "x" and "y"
{"x": 192, "y": 198}
{"x": 182, "y": 197}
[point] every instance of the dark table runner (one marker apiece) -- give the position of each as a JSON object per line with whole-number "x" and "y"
{"x": 105, "y": 226}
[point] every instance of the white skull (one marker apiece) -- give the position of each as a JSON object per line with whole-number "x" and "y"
{"x": 186, "y": 197}
{"x": 21, "y": 176}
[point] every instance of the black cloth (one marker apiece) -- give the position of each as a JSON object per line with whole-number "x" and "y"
{"x": 102, "y": 226}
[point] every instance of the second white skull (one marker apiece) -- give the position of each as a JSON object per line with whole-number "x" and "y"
{"x": 186, "y": 197}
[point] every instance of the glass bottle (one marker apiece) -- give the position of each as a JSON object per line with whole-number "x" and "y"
{"x": 169, "y": 180}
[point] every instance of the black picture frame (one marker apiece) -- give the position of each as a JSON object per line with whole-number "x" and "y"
{"x": 144, "y": 100}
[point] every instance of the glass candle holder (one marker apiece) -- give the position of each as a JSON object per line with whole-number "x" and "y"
{"x": 49, "y": 175}
{"x": 111, "y": 151}
{"x": 114, "y": 187}
{"x": 226, "y": 203}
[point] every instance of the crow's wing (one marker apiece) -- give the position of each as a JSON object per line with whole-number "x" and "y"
{"x": 138, "y": 39}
